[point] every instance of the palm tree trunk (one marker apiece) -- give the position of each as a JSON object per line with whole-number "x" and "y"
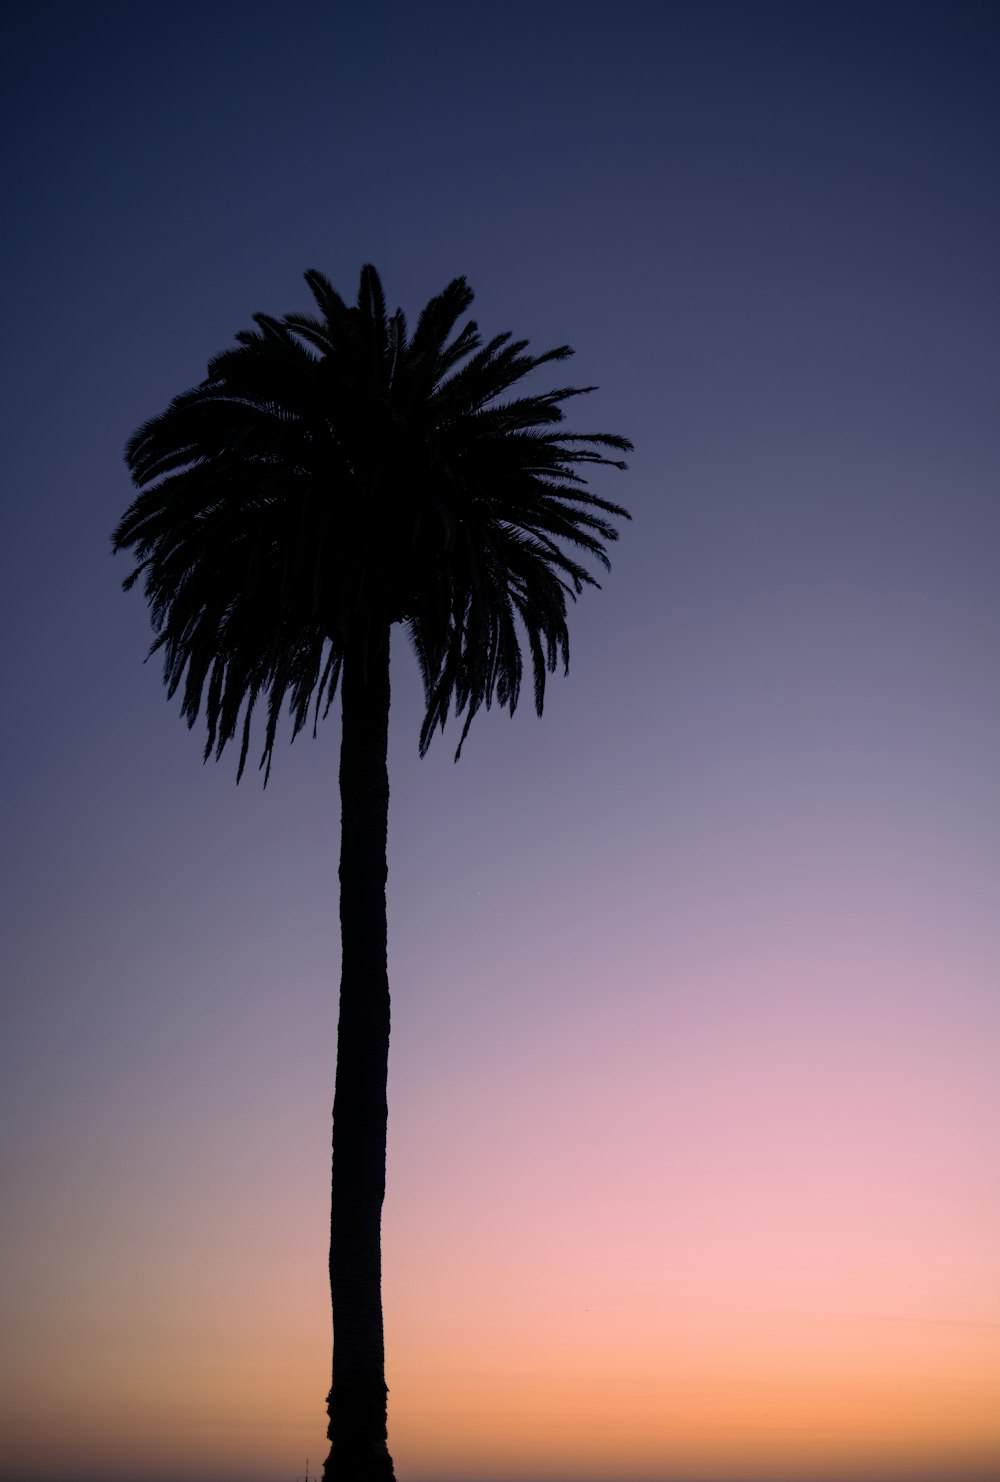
{"x": 356, "y": 1403}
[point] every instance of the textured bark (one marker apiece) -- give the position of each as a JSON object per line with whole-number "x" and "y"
{"x": 356, "y": 1404}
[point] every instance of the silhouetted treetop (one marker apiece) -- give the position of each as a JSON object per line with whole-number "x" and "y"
{"x": 334, "y": 473}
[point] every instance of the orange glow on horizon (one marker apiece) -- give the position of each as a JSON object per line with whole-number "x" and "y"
{"x": 793, "y": 1404}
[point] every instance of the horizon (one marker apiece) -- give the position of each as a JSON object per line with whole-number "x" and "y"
{"x": 836, "y": 1475}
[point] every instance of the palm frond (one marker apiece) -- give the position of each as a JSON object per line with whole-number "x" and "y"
{"x": 333, "y": 473}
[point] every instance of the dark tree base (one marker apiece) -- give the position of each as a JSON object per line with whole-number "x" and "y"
{"x": 358, "y": 1450}
{"x": 364, "y": 1464}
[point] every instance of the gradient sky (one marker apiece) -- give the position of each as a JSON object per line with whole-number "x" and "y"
{"x": 694, "y": 1104}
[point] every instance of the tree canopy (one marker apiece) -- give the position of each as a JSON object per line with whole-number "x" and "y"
{"x": 333, "y": 473}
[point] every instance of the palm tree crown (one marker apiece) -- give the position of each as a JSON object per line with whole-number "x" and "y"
{"x": 333, "y": 474}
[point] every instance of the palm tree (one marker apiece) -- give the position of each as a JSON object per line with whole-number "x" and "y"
{"x": 332, "y": 476}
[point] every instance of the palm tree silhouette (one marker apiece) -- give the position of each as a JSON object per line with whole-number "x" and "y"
{"x": 334, "y": 475}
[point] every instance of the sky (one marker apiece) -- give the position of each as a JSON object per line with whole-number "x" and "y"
{"x": 694, "y": 1107}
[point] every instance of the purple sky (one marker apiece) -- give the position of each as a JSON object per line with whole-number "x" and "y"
{"x": 697, "y": 1013}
